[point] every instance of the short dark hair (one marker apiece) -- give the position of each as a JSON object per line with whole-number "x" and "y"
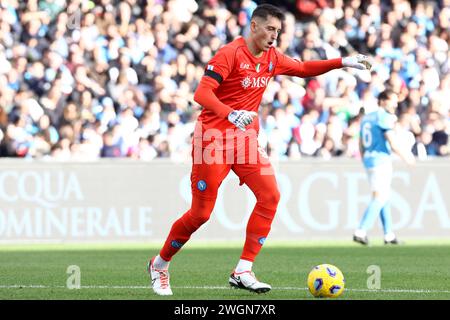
{"x": 383, "y": 96}
{"x": 265, "y": 10}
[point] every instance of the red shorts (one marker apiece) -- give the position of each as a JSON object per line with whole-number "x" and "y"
{"x": 211, "y": 166}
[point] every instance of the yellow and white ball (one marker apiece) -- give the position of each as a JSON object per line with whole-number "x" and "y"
{"x": 326, "y": 281}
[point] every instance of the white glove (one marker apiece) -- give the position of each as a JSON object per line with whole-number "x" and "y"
{"x": 360, "y": 62}
{"x": 241, "y": 118}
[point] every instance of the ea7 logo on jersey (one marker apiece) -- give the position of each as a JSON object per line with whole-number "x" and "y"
{"x": 255, "y": 82}
{"x": 244, "y": 65}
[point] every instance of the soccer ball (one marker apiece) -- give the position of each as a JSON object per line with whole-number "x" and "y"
{"x": 326, "y": 281}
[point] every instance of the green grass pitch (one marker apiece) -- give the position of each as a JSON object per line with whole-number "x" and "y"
{"x": 416, "y": 270}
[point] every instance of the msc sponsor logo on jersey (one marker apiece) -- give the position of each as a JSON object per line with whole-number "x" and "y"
{"x": 255, "y": 82}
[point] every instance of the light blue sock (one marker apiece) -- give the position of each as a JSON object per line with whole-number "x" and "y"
{"x": 371, "y": 213}
{"x": 386, "y": 218}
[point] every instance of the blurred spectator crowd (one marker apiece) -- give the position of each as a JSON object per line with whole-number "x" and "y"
{"x": 80, "y": 80}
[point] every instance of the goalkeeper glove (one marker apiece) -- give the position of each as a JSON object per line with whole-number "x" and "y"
{"x": 359, "y": 61}
{"x": 241, "y": 118}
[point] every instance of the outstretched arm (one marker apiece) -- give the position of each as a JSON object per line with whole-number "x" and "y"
{"x": 318, "y": 67}
{"x": 293, "y": 67}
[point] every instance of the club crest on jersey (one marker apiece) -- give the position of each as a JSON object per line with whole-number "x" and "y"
{"x": 255, "y": 82}
{"x": 201, "y": 185}
{"x": 270, "y": 66}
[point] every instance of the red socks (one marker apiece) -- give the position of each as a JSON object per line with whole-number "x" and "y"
{"x": 184, "y": 227}
{"x": 258, "y": 227}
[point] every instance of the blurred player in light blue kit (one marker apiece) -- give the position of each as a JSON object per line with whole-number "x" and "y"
{"x": 377, "y": 140}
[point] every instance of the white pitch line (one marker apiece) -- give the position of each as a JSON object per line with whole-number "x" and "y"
{"x": 17, "y": 286}
{"x": 31, "y": 286}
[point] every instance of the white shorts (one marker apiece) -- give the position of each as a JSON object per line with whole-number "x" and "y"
{"x": 380, "y": 178}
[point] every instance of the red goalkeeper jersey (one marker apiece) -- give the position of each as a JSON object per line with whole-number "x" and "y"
{"x": 238, "y": 80}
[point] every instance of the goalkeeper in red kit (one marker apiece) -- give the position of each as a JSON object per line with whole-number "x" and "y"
{"x": 225, "y": 138}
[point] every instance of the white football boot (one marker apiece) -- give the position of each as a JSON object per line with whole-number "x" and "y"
{"x": 160, "y": 280}
{"x": 247, "y": 280}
